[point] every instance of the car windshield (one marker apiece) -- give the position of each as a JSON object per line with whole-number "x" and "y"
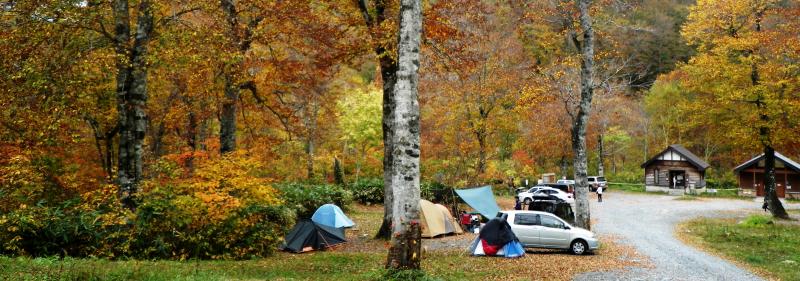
{"x": 601, "y": 179}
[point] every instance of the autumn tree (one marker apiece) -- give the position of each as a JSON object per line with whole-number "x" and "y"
{"x": 742, "y": 78}
{"x": 477, "y": 75}
{"x": 360, "y": 130}
{"x": 378, "y": 20}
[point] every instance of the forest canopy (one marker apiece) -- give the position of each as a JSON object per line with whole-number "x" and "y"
{"x": 213, "y": 108}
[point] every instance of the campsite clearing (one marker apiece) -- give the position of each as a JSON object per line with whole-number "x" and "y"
{"x": 360, "y": 259}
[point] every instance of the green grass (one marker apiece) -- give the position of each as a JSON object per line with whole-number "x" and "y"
{"x": 627, "y": 187}
{"x": 758, "y": 241}
{"x": 725, "y": 193}
{"x": 303, "y": 267}
{"x": 792, "y": 200}
{"x": 308, "y": 266}
{"x": 686, "y": 198}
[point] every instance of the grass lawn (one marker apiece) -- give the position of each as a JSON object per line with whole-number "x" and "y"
{"x": 725, "y": 193}
{"x": 627, "y": 187}
{"x": 686, "y": 198}
{"x": 770, "y": 247}
{"x": 362, "y": 258}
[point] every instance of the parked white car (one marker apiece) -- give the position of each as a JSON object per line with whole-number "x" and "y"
{"x": 536, "y": 229}
{"x": 566, "y": 181}
{"x": 543, "y": 191}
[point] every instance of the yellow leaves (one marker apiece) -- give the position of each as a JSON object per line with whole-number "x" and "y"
{"x": 712, "y": 21}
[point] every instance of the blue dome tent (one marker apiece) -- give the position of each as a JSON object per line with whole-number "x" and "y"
{"x": 331, "y": 215}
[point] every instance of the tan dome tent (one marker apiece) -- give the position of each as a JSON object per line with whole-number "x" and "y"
{"x": 436, "y": 220}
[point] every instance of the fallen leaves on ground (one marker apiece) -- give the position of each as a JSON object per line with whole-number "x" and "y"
{"x": 446, "y": 256}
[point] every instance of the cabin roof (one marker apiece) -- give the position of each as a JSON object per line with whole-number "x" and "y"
{"x": 780, "y": 157}
{"x": 688, "y": 155}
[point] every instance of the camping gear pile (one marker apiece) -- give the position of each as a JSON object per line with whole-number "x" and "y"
{"x": 497, "y": 239}
{"x": 436, "y": 220}
{"x": 324, "y": 230}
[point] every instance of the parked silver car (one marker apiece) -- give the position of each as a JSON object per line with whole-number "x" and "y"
{"x": 595, "y": 182}
{"x": 544, "y": 230}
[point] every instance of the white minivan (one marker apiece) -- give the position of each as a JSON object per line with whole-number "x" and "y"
{"x": 536, "y": 229}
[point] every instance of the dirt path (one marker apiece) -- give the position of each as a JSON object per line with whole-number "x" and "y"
{"x": 647, "y": 222}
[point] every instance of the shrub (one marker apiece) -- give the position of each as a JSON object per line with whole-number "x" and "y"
{"x": 30, "y": 179}
{"x": 721, "y": 183}
{"x": 627, "y": 177}
{"x": 304, "y": 199}
{"x": 174, "y": 224}
{"x": 228, "y": 210}
{"x": 370, "y": 191}
{"x": 757, "y": 221}
{"x": 367, "y": 190}
{"x": 90, "y": 226}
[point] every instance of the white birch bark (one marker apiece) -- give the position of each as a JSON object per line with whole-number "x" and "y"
{"x": 405, "y": 139}
{"x": 582, "y": 216}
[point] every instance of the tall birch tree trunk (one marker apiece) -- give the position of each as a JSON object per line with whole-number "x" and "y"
{"x": 131, "y": 94}
{"x": 389, "y": 76}
{"x": 600, "y": 167}
{"x": 406, "y": 241}
{"x": 582, "y": 217}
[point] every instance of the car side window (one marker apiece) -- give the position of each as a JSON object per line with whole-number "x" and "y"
{"x": 591, "y": 179}
{"x": 552, "y": 222}
{"x": 526, "y": 219}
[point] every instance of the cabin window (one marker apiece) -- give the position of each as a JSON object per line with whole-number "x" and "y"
{"x": 655, "y": 176}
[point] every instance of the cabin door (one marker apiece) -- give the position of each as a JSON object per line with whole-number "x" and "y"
{"x": 677, "y": 179}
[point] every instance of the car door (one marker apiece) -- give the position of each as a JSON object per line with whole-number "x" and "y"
{"x": 526, "y": 227}
{"x": 552, "y": 233}
{"x": 560, "y": 195}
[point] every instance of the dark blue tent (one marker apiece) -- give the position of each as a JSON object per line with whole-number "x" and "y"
{"x": 307, "y": 236}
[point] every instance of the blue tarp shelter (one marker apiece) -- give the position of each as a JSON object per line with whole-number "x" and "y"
{"x": 331, "y": 215}
{"x": 481, "y": 199}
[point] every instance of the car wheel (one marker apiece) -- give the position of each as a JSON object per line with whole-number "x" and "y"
{"x": 527, "y": 201}
{"x": 578, "y": 247}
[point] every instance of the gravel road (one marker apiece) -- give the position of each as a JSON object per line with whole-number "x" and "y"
{"x": 647, "y": 222}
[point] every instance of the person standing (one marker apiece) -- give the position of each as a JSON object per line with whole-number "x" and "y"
{"x": 600, "y": 193}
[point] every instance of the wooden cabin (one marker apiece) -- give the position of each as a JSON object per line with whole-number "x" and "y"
{"x": 676, "y": 170}
{"x": 750, "y": 176}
